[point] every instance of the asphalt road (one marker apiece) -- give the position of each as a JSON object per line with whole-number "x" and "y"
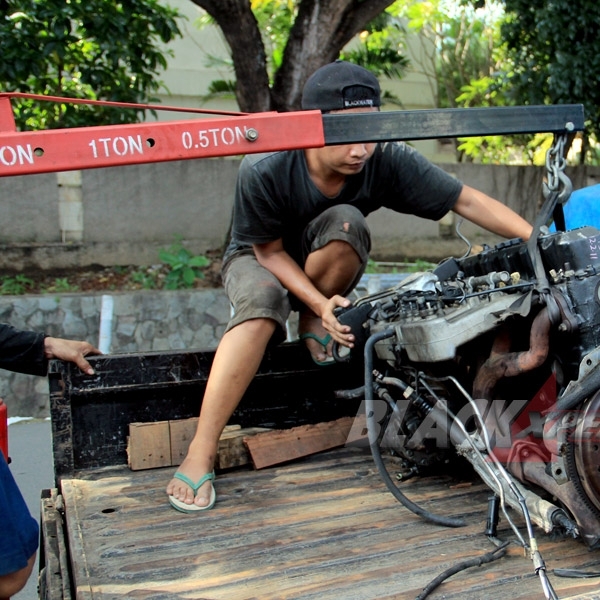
{"x": 30, "y": 450}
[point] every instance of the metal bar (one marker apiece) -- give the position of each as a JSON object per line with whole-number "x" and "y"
{"x": 450, "y": 122}
{"x": 131, "y": 105}
{"x": 27, "y": 152}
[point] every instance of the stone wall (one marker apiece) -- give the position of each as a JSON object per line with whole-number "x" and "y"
{"x": 141, "y": 321}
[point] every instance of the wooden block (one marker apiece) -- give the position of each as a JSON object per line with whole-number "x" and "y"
{"x": 229, "y": 428}
{"x": 148, "y": 445}
{"x": 232, "y": 450}
{"x": 165, "y": 444}
{"x": 271, "y": 448}
{"x": 358, "y": 434}
{"x": 181, "y": 433}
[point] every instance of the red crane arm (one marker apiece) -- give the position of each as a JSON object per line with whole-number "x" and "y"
{"x": 28, "y": 152}
{"x": 111, "y": 145}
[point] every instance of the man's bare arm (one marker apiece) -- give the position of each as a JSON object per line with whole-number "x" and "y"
{"x": 481, "y": 209}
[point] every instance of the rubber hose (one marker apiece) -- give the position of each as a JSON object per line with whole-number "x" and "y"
{"x": 374, "y": 446}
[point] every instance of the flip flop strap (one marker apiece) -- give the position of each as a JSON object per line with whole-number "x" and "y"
{"x": 188, "y": 481}
{"x": 313, "y": 336}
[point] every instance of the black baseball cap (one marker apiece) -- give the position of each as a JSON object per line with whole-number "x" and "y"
{"x": 340, "y": 85}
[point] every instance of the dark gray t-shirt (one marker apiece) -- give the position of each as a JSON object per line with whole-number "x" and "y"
{"x": 276, "y": 198}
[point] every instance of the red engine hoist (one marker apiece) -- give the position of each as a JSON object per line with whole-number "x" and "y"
{"x": 231, "y": 134}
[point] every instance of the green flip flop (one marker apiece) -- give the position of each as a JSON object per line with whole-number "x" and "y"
{"x": 323, "y": 341}
{"x": 192, "y": 508}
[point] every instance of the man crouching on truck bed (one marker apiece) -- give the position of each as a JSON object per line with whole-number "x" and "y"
{"x": 300, "y": 241}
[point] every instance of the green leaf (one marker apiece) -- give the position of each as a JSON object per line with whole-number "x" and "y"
{"x": 189, "y": 276}
{"x": 86, "y": 49}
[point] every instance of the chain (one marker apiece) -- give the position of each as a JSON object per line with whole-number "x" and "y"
{"x": 556, "y": 162}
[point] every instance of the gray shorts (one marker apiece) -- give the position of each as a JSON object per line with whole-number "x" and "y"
{"x": 255, "y": 292}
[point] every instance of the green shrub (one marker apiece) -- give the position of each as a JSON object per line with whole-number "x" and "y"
{"x": 184, "y": 267}
{"x": 15, "y": 286}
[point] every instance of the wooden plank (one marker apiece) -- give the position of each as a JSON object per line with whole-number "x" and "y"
{"x": 182, "y": 432}
{"x": 324, "y": 528}
{"x": 358, "y": 434}
{"x": 149, "y": 445}
{"x": 232, "y": 450}
{"x": 54, "y": 583}
{"x": 165, "y": 444}
{"x": 276, "y": 447}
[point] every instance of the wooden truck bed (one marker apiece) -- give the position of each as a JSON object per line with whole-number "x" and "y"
{"x": 320, "y": 527}
{"x": 323, "y": 526}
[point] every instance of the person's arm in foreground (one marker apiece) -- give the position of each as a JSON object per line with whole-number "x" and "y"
{"x": 19, "y": 539}
{"x": 28, "y": 352}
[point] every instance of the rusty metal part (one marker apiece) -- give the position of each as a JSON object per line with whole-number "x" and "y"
{"x": 508, "y": 364}
{"x": 574, "y": 442}
{"x": 583, "y": 457}
{"x": 534, "y": 471}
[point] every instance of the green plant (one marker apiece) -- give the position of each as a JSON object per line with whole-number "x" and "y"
{"x": 147, "y": 280}
{"x": 61, "y": 285}
{"x": 371, "y": 266}
{"x": 15, "y": 286}
{"x": 90, "y": 49}
{"x": 184, "y": 267}
{"x": 418, "y": 266}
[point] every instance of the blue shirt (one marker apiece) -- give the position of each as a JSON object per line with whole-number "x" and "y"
{"x": 19, "y": 531}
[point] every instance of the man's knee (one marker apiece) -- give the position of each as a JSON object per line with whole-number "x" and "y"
{"x": 342, "y": 223}
{"x": 339, "y": 250}
{"x": 266, "y": 294}
{"x": 348, "y": 218}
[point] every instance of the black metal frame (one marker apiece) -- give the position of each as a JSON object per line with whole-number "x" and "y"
{"x": 340, "y": 128}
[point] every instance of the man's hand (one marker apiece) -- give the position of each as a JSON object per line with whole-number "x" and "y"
{"x": 70, "y": 350}
{"x": 340, "y": 333}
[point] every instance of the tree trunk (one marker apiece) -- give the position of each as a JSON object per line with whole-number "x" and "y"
{"x": 321, "y": 29}
{"x": 241, "y": 31}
